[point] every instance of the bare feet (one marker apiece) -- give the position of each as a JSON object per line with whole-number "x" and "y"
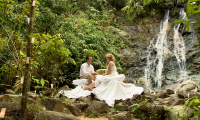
{"x": 83, "y": 87}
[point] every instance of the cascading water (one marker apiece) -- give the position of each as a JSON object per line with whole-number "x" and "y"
{"x": 158, "y": 51}
{"x": 155, "y": 64}
{"x": 179, "y": 49}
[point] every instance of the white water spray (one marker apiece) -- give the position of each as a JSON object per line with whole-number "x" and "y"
{"x": 179, "y": 49}
{"x": 158, "y": 50}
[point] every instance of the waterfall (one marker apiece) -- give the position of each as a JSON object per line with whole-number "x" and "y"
{"x": 179, "y": 49}
{"x": 158, "y": 51}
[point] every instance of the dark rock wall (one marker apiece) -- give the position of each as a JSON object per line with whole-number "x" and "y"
{"x": 141, "y": 35}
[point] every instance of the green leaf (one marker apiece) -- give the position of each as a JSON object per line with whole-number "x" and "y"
{"x": 42, "y": 82}
{"x": 32, "y": 35}
{"x": 187, "y": 24}
{"x": 195, "y": 108}
{"x": 195, "y": 12}
{"x": 188, "y": 8}
{"x": 1, "y": 19}
{"x": 197, "y": 24}
{"x": 197, "y": 101}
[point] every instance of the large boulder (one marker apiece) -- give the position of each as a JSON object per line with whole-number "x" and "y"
{"x": 99, "y": 107}
{"x": 187, "y": 86}
{"x": 51, "y": 115}
{"x": 74, "y": 110}
{"x": 82, "y": 106}
{"x": 180, "y": 112}
{"x": 53, "y": 104}
{"x": 10, "y": 106}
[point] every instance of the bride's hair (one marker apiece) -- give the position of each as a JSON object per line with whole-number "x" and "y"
{"x": 111, "y": 56}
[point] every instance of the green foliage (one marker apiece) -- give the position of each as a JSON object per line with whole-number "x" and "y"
{"x": 135, "y": 8}
{"x": 191, "y": 11}
{"x": 65, "y": 33}
{"x": 187, "y": 24}
{"x": 193, "y": 102}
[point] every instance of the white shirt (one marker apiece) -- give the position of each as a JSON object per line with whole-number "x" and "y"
{"x": 86, "y": 69}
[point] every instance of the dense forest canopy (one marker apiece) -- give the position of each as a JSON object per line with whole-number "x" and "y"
{"x": 65, "y": 31}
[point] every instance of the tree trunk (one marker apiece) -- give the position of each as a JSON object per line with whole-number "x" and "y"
{"x": 26, "y": 84}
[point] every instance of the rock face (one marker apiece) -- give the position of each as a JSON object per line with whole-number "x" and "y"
{"x": 136, "y": 56}
{"x": 51, "y": 115}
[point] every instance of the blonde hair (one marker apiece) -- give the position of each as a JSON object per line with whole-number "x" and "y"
{"x": 111, "y": 56}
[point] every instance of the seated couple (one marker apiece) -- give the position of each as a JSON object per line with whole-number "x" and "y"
{"x": 87, "y": 72}
{"x": 108, "y": 87}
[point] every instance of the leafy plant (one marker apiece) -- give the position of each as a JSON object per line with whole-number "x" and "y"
{"x": 191, "y": 10}
{"x": 193, "y": 102}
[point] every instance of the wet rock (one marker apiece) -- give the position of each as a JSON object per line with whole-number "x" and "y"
{"x": 121, "y": 116}
{"x": 51, "y": 115}
{"x": 100, "y": 107}
{"x": 121, "y": 107}
{"x": 10, "y": 106}
{"x": 74, "y": 110}
{"x": 82, "y": 106}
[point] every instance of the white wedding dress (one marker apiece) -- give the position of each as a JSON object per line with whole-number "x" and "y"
{"x": 108, "y": 88}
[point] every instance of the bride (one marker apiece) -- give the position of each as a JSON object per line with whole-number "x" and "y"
{"x": 111, "y": 71}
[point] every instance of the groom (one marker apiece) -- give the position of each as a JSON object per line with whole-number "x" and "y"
{"x": 87, "y": 70}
